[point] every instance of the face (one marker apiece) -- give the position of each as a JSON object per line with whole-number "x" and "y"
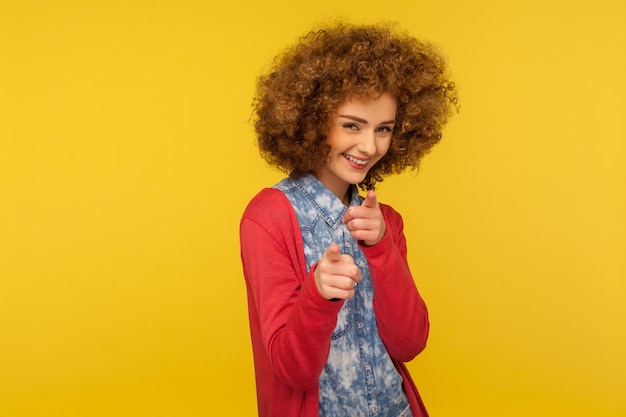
{"x": 359, "y": 136}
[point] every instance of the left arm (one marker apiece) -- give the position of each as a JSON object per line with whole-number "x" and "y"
{"x": 400, "y": 311}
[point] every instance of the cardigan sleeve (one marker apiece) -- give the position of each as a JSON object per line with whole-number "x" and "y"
{"x": 400, "y": 311}
{"x": 291, "y": 319}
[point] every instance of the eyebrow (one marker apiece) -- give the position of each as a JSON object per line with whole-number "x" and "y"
{"x": 358, "y": 119}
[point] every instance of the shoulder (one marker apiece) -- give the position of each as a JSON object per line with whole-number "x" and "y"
{"x": 270, "y": 207}
{"x": 267, "y": 198}
{"x": 269, "y": 219}
{"x": 388, "y": 211}
{"x": 392, "y": 217}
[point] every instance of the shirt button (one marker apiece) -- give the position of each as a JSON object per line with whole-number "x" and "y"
{"x": 348, "y": 244}
{"x": 359, "y": 325}
{"x": 374, "y": 409}
{"x": 367, "y": 367}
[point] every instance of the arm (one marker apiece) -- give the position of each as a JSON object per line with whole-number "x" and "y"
{"x": 400, "y": 311}
{"x": 294, "y": 321}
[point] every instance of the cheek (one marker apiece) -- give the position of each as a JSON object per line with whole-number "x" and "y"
{"x": 333, "y": 142}
{"x": 384, "y": 147}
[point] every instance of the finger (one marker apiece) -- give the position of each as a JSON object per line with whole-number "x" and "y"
{"x": 339, "y": 294}
{"x": 345, "y": 258}
{"x": 349, "y": 268}
{"x": 344, "y": 288}
{"x": 350, "y": 284}
{"x": 362, "y": 224}
{"x": 354, "y": 212}
{"x": 370, "y": 200}
{"x": 333, "y": 253}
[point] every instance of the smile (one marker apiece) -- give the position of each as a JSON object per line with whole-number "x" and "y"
{"x": 360, "y": 162}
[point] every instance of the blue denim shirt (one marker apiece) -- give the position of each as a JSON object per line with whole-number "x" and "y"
{"x": 359, "y": 378}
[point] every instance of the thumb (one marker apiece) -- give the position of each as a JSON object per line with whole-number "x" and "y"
{"x": 370, "y": 200}
{"x": 333, "y": 253}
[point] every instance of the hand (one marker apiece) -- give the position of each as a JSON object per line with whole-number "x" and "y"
{"x": 366, "y": 222}
{"x": 336, "y": 275}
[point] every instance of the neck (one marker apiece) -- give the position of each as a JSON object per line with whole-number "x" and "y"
{"x": 344, "y": 195}
{"x": 347, "y": 197}
{"x": 340, "y": 188}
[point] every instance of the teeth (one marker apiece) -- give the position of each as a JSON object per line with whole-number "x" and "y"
{"x": 356, "y": 161}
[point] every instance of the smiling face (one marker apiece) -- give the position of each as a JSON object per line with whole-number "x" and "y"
{"x": 359, "y": 136}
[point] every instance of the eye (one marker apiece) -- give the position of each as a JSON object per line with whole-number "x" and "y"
{"x": 385, "y": 130}
{"x": 350, "y": 126}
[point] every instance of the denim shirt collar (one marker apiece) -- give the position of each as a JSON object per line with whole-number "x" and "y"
{"x": 327, "y": 204}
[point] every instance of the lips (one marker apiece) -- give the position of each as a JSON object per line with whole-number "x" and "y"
{"x": 356, "y": 162}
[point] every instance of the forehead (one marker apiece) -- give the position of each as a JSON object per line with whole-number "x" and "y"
{"x": 381, "y": 107}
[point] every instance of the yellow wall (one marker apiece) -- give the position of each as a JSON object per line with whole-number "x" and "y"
{"x": 126, "y": 159}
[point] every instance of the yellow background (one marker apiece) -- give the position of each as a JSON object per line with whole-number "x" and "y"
{"x": 127, "y": 158}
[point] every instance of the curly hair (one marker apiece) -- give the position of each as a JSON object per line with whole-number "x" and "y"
{"x": 296, "y": 100}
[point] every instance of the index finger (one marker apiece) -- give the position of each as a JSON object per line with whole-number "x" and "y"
{"x": 333, "y": 253}
{"x": 370, "y": 200}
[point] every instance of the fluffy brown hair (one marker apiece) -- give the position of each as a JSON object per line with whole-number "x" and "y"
{"x": 296, "y": 100}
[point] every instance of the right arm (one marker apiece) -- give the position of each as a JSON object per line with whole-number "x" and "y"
{"x": 295, "y": 321}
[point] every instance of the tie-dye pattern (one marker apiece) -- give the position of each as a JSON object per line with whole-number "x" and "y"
{"x": 359, "y": 378}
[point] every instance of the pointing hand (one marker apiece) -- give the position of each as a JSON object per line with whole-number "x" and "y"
{"x": 366, "y": 222}
{"x": 336, "y": 274}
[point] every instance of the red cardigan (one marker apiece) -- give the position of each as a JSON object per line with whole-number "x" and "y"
{"x": 291, "y": 323}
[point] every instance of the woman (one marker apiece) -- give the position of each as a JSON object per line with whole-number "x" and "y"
{"x": 334, "y": 311}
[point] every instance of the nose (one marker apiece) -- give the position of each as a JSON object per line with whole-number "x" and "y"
{"x": 367, "y": 143}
